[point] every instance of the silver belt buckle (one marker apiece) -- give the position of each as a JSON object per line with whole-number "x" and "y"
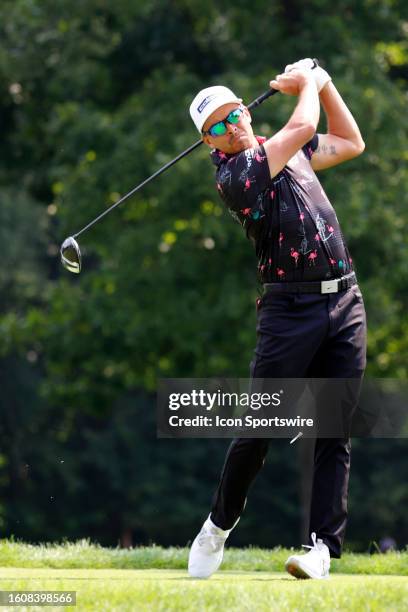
{"x": 330, "y": 286}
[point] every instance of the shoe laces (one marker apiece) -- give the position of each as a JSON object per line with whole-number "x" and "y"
{"x": 316, "y": 543}
{"x": 319, "y": 549}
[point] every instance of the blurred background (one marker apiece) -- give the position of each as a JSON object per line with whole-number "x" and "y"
{"x": 94, "y": 98}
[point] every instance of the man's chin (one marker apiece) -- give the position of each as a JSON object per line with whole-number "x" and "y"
{"x": 239, "y": 145}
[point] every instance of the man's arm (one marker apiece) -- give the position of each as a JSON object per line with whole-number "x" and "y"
{"x": 343, "y": 140}
{"x": 302, "y": 124}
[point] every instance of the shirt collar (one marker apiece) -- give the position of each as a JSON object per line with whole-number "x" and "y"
{"x": 218, "y": 157}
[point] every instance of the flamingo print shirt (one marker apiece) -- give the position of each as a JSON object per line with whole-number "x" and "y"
{"x": 289, "y": 218}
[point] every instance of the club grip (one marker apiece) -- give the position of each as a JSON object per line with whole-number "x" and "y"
{"x": 272, "y": 91}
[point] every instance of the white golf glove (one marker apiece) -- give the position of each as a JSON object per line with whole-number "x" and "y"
{"x": 321, "y": 77}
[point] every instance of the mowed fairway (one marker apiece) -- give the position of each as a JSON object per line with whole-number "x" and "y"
{"x": 158, "y": 589}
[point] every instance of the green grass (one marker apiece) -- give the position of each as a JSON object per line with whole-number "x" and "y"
{"x": 165, "y": 590}
{"x": 83, "y": 554}
{"x": 155, "y": 579}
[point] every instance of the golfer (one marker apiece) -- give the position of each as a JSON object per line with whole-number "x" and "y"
{"x": 311, "y": 318}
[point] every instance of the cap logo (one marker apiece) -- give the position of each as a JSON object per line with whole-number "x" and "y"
{"x": 205, "y": 102}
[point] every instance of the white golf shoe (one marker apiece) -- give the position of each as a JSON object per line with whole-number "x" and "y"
{"x": 314, "y": 564}
{"x": 207, "y": 550}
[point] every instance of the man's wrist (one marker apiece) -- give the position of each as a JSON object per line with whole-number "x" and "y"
{"x": 322, "y": 78}
{"x": 326, "y": 88}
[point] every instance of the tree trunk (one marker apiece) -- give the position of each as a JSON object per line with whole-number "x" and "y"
{"x": 126, "y": 538}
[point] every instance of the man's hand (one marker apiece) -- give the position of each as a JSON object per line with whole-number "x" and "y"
{"x": 292, "y": 82}
{"x": 320, "y": 76}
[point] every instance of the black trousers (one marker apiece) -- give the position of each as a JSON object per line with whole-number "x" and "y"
{"x": 302, "y": 336}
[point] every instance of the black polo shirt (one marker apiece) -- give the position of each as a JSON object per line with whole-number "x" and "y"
{"x": 289, "y": 218}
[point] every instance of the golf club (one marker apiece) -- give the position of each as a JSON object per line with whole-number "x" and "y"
{"x": 70, "y": 251}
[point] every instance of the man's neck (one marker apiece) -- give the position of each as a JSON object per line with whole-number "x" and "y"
{"x": 255, "y": 141}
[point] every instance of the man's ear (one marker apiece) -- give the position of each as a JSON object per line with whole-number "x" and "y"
{"x": 206, "y": 140}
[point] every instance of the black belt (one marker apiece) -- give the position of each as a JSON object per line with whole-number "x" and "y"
{"x": 334, "y": 285}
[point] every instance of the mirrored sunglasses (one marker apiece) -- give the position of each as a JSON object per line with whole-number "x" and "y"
{"x": 220, "y": 128}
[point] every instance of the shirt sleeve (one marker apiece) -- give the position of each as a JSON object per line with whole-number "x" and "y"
{"x": 310, "y": 147}
{"x": 243, "y": 178}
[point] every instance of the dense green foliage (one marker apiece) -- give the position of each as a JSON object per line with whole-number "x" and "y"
{"x": 94, "y": 98}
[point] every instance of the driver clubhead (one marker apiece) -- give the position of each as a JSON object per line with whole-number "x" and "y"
{"x": 71, "y": 255}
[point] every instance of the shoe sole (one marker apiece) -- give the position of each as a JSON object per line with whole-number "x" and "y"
{"x": 296, "y": 570}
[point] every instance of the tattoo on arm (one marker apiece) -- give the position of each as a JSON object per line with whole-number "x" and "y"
{"x": 331, "y": 150}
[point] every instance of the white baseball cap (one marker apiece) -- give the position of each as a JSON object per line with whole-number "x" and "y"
{"x": 207, "y": 101}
